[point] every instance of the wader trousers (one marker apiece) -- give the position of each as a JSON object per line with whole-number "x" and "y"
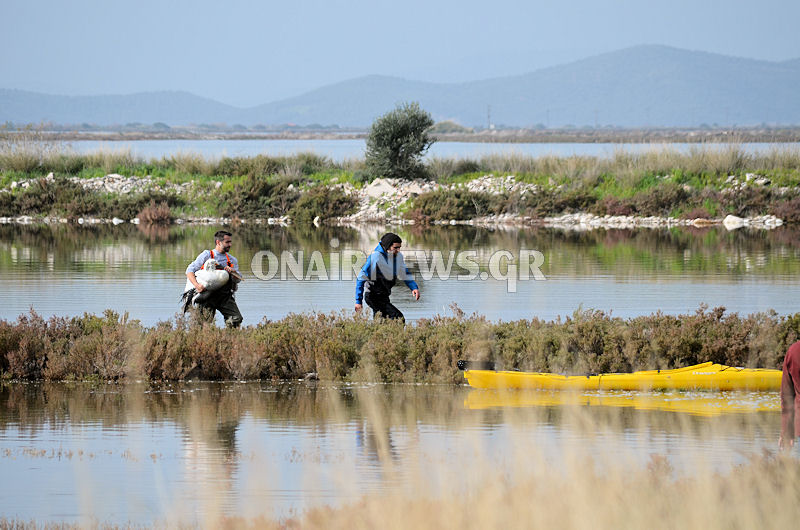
{"x": 381, "y": 305}
{"x": 223, "y": 302}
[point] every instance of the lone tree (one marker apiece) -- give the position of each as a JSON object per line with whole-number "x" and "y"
{"x": 396, "y": 142}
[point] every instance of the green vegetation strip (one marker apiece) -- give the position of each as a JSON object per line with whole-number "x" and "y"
{"x": 340, "y": 347}
{"x": 702, "y": 182}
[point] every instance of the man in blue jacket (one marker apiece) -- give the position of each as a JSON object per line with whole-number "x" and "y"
{"x": 378, "y": 275}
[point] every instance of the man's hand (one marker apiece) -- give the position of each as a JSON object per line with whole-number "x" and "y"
{"x": 234, "y": 275}
{"x": 358, "y": 307}
{"x": 193, "y": 280}
{"x": 415, "y": 294}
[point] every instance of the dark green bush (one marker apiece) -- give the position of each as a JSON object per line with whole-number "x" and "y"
{"x": 324, "y": 202}
{"x": 396, "y": 142}
{"x": 444, "y": 204}
{"x": 260, "y": 197}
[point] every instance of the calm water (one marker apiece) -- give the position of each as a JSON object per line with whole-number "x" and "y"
{"x": 186, "y": 452}
{"x": 68, "y": 270}
{"x": 339, "y": 150}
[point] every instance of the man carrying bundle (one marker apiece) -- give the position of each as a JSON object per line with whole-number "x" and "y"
{"x": 221, "y": 299}
{"x": 378, "y": 275}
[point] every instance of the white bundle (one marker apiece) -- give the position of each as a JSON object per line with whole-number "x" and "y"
{"x": 209, "y": 276}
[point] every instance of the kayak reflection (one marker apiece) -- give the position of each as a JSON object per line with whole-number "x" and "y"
{"x": 695, "y": 403}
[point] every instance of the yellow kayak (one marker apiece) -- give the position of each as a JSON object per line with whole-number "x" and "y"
{"x": 705, "y": 376}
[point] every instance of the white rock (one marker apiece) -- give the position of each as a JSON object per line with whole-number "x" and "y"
{"x": 379, "y": 187}
{"x": 731, "y": 222}
{"x": 415, "y": 187}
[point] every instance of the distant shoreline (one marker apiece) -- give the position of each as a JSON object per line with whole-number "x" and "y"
{"x": 613, "y": 136}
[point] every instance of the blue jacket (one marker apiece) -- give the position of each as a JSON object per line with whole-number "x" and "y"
{"x": 380, "y": 272}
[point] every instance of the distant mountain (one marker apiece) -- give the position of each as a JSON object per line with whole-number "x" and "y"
{"x": 173, "y": 108}
{"x": 639, "y": 86}
{"x": 792, "y": 63}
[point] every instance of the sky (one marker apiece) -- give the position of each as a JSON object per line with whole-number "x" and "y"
{"x": 246, "y": 53}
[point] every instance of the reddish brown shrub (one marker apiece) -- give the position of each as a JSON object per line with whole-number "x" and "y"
{"x": 155, "y": 214}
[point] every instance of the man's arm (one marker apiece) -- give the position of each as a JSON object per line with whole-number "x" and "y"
{"x": 195, "y": 266}
{"x": 193, "y": 280}
{"x": 363, "y": 276}
{"x": 408, "y": 278}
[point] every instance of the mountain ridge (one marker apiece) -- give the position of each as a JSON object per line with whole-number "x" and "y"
{"x": 647, "y": 85}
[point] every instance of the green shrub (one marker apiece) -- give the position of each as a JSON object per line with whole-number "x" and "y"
{"x": 322, "y": 201}
{"x": 259, "y": 197}
{"x": 445, "y": 204}
{"x": 396, "y": 142}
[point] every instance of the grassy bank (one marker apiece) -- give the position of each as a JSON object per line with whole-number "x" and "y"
{"x": 704, "y": 182}
{"x": 339, "y": 347}
{"x": 701, "y": 183}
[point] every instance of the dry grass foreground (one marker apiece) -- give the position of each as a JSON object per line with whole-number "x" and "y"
{"x": 534, "y": 489}
{"x": 762, "y": 494}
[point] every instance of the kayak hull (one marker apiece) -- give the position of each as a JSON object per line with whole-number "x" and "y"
{"x": 706, "y": 376}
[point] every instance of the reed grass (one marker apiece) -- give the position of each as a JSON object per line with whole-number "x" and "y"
{"x": 342, "y": 347}
{"x": 627, "y": 166}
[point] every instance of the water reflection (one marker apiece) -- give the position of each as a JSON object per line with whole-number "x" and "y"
{"x": 630, "y": 272}
{"x": 190, "y": 452}
{"x": 694, "y": 403}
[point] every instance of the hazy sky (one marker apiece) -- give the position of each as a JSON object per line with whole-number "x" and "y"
{"x": 246, "y": 53}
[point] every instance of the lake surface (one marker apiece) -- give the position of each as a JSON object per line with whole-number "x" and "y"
{"x": 187, "y": 452}
{"x": 67, "y": 270}
{"x": 340, "y": 150}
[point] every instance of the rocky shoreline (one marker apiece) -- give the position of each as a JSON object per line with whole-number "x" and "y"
{"x": 383, "y": 200}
